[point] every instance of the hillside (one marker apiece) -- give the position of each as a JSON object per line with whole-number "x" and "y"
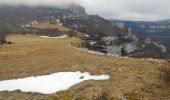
{"x": 17, "y": 18}
{"x": 158, "y": 31}
{"x": 13, "y": 17}
{"x": 104, "y": 35}
{"x": 30, "y": 55}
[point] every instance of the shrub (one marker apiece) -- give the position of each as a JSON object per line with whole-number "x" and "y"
{"x": 103, "y": 96}
{"x": 72, "y": 33}
{"x": 166, "y": 71}
{"x": 49, "y": 32}
{"x": 2, "y": 38}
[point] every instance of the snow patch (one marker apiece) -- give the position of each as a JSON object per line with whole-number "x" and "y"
{"x": 49, "y": 84}
{"x": 56, "y": 37}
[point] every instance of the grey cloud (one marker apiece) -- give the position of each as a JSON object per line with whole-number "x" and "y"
{"x": 118, "y": 9}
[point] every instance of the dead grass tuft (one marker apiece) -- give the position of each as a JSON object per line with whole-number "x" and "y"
{"x": 166, "y": 71}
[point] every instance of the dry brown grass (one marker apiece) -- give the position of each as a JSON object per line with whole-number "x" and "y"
{"x": 53, "y": 26}
{"x": 57, "y": 26}
{"x": 30, "y": 55}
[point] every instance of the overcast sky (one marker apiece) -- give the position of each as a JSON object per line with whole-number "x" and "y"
{"x": 116, "y": 9}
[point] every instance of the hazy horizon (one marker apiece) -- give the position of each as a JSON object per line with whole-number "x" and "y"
{"x": 133, "y": 10}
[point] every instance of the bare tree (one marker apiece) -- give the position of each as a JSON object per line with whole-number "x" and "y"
{"x": 2, "y": 37}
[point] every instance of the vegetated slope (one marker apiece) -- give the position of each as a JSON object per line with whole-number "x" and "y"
{"x": 15, "y": 16}
{"x": 54, "y": 29}
{"x": 108, "y": 38}
{"x": 158, "y": 31}
{"x": 92, "y": 25}
{"x": 51, "y": 26}
{"x": 30, "y": 55}
{"x": 112, "y": 41}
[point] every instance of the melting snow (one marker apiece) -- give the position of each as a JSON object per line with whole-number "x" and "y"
{"x": 49, "y": 84}
{"x": 56, "y": 37}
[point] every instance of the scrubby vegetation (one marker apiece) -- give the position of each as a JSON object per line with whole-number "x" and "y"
{"x": 51, "y": 26}
{"x": 54, "y": 30}
{"x": 49, "y": 32}
{"x": 166, "y": 72}
{"x": 72, "y": 33}
{"x": 2, "y": 37}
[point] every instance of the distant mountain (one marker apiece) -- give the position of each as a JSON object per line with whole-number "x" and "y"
{"x": 76, "y": 9}
{"x": 164, "y": 21}
{"x": 148, "y": 28}
{"x": 14, "y": 16}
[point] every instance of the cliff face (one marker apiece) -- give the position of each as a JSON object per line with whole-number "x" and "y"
{"x": 76, "y": 9}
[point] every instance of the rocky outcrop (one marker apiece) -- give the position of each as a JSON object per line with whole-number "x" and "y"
{"x": 130, "y": 47}
{"x": 122, "y": 49}
{"x": 114, "y": 50}
{"x": 83, "y": 50}
{"x": 160, "y": 46}
{"x": 109, "y": 40}
{"x": 76, "y": 9}
{"x": 158, "y": 31}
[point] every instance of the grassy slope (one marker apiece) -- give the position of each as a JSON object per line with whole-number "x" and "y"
{"x": 56, "y": 26}
{"x": 31, "y": 56}
{"x": 44, "y": 26}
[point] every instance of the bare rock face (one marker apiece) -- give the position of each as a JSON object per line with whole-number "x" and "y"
{"x": 114, "y": 50}
{"x": 77, "y": 9}
{"x": 109, "y": 39}
{"x": 160, "y": 46}
{"x": 130, "y": 47}
{"x": 122, "y": 49}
